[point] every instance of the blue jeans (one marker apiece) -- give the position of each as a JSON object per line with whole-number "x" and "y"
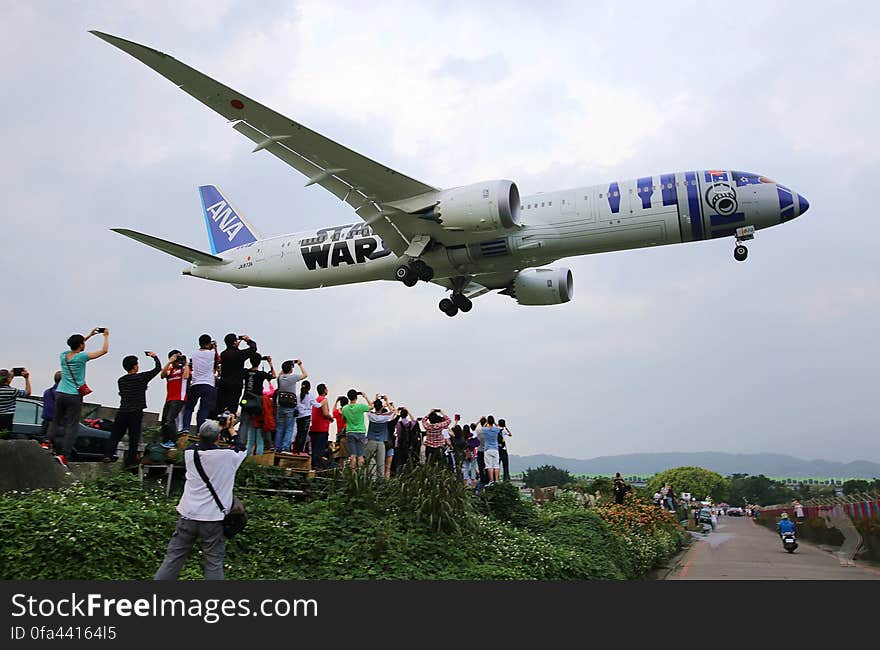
{"x": 469, "y": 469}
{"x": 252, "y": 434}
{"x": 285, "y": 424}
{"x": 204, "y": 395}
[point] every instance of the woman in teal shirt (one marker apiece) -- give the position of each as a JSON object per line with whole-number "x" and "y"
{"x": 68, "y": 401}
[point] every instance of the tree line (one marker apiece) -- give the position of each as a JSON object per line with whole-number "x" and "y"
{"x": 736, "y": 489}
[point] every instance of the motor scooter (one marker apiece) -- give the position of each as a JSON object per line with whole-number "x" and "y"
{"x": 789, "y": 543}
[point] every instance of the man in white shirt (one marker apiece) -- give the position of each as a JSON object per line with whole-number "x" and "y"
{"x": 200, "y": 516}
{"x": 203, "y": 368}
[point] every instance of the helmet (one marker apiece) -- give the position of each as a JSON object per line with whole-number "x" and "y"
{"x": 784, "y": 515}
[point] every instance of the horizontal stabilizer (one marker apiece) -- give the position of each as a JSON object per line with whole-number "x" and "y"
{"x": 185, "y": 253}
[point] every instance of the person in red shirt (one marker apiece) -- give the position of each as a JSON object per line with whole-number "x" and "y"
{"x": 319, "y": 430}
{"x": 176, "y": 374}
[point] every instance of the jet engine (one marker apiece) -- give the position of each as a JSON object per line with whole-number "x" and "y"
{"x": 487, "y": 206}
{"x": 541, "y": 287}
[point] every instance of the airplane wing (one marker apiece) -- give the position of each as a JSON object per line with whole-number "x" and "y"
{"x": 351, "y": 177}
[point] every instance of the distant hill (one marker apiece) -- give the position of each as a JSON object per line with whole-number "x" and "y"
{"x": 778, "y": 465}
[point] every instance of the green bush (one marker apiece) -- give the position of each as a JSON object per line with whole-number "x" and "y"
{"x": 502, "y": 501}
{"x": 113, "y": 528}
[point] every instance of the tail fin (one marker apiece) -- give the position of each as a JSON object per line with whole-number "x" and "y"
{"x": 226, "y": 227}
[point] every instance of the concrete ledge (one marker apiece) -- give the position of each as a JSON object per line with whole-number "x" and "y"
{"x": 25, "y": 465}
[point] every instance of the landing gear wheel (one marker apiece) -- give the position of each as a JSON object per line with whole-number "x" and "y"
{"x": 448, "y": 307}
{"x": 422, "y": 270}
{"x": 407, "y": 275}
{"x": 463, "y": 303}
{"x": 740, "y": 253}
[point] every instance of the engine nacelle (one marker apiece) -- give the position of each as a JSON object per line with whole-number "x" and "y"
{"x": 492, "y": 205}
{"x": 542, "y": 287}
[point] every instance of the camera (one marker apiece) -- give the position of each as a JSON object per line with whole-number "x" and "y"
{"x": 17, "y": 372}
{"x": 100, "y": 330}
{"x": 223, "y": 418}
{"x": 264, "y": 358}
{"x": 180, "y": 362}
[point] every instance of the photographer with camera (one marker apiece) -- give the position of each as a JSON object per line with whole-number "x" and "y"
{"x": 8, "y": 394}
{"x": 381, "y": 414}
{"x": 203, "y": 368}
{"x": 252, "y": 403}
{"x": 232, "y": 373}
{"x": 355, "y": 427}
{"x": 176, "y": 374}
{"x": 71, "y": 390}
{"x": 200, "y": 517}
{"x": 285, "y": 397}
{"x": 132, "y": 403}
{"x": 435, "y": 423}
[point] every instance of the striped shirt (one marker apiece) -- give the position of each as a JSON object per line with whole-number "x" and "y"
{"x": 133, "y": 389}
{"x": 8, "y": 395}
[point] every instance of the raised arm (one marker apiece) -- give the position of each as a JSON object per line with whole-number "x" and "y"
{"x": 27, "y": 381}
{"x": 149, "y": 374}
{"x": 103, "y": 350}
{"x": 272, "y": 374}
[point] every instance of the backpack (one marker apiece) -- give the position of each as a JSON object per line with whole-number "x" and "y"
{"x": 251, "y": 403}
{"x": 154, "y": 453}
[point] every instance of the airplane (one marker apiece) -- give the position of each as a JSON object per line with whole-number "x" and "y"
{"x": 471, "y": 239}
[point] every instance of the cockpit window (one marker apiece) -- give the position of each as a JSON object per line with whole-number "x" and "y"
{"x": 748, "y": 178}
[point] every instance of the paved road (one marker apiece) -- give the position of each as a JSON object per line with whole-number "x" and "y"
{"x": 739, "y": 549}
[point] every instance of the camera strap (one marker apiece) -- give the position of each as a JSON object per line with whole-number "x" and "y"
{"x": 201, "y": 471}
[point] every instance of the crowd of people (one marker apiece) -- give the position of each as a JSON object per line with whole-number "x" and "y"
{"x": 274, "y": 411}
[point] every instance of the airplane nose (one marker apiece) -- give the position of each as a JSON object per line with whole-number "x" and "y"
{"x": 803, "y": 204}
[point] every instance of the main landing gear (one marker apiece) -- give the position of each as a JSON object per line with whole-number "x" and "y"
{"x": 411, "y": 273}
{"x": 740, "y": 252}
{"x": 457, "y": 303}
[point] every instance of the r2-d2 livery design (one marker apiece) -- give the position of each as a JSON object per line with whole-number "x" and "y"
{"x": 471, "y": 239}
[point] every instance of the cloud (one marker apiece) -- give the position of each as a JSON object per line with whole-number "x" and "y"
{"x": 674, "y": 347}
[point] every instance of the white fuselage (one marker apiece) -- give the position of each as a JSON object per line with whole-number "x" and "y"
{"x": 649, "y": 211}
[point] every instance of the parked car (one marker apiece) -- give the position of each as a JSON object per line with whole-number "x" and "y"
{"x": 90, "y": 441}
{"x": 735, "y": 512}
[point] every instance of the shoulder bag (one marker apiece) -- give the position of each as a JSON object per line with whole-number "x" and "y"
{"x": 235, "y": 520}
{"x": 83, "y": 389}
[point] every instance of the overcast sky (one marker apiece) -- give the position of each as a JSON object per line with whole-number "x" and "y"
{"x": 666, "y": 349}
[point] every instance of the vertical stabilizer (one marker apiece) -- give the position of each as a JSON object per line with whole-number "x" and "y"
{"x": 227, "y": 228}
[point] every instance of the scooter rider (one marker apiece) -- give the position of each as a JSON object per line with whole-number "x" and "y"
{"x": 785, "y": 524}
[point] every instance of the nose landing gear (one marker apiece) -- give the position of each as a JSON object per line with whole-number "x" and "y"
{"x": 740, "y": 252}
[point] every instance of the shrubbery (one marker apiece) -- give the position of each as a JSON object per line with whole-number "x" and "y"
{"x": 422, "y": 527}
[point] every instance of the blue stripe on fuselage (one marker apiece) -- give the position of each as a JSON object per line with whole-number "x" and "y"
{"x": 646, "y": 190}
{"x": 726, "y": 220}
{"x": 694, "y": 208}
{"x": 667, "y": 184}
